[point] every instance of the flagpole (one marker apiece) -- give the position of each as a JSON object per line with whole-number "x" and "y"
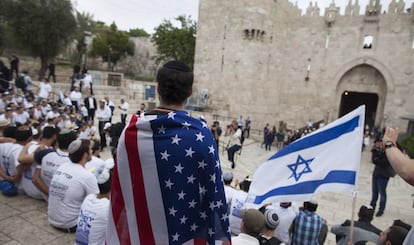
{"x": 351, "y": 234}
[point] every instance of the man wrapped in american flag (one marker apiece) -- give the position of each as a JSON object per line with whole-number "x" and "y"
{"x": 167, "y": 186}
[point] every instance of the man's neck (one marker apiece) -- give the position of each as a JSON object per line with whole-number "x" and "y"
{"x": 172, "y": 106}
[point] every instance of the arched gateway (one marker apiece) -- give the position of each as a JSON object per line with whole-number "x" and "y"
{"x": 363, "y": 84}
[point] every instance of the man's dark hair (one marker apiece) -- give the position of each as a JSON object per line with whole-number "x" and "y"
{"x": 10, "y": 131}
{"x": 175, "y": 80}
{"x": 95, "y": 145}
{"x": 76, "y": 156}
{"x": 310, "y": 206}
{"x": 106, "y": 187}
{"x": 396, "y": 235}
{"x": 49, "y": 131}
{"x": 23, "y": 134}
{"x": 65, "y": 137}
{"x": 366, "y": 213}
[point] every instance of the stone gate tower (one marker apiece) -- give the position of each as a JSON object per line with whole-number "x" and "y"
{"x": 265, "y": 60}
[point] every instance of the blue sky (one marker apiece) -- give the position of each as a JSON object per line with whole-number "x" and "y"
{"x": 146, "y": 14}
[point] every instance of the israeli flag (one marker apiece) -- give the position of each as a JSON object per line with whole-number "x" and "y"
{"x": 326, "y": 160}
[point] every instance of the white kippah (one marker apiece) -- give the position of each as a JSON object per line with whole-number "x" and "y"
{"x": 104, "y": 176}
{"x": 74, "y": 146}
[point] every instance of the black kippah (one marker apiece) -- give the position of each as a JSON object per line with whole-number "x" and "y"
{"x": 177, "y": 65}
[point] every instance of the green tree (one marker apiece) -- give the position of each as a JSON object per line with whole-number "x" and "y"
{"x": 112, "y": 44}
{"x": 42, "y": 27}
{"x": 138, "y": 32}
{"x": 176, "y": 42}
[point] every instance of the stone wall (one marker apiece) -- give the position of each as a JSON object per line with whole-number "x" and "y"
{"x": 254, "y": 56}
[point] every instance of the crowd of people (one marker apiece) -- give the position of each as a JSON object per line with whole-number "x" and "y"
{"x": 49, "y": 150}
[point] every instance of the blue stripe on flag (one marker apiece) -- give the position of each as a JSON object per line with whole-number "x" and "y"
{"x": 319, "y": 138}
{"x": 307, "y": 187}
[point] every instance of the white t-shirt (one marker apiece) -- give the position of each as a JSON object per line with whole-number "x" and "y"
{"x": 76, "y": 96}
{"x": 95, "y": 166}
{"x": 124, "y": 108}
{"x": 21, "y": 118}
{"x": 237, "y": 205}
{"x": 9, "y": 153}
{"x": 50, "y": 163}
{"x": 44, "y": 90}
{"x": 26, "y": 182}
{"x": 92, "y": 222}
{"x": 87, "y": 81}
{"x": 286, "y": 217}
{"x": 70, "y": 184}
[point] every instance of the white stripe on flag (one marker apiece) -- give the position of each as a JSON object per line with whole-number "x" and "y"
{"x": 327, "y": 159}
{"x": 126, "y": 187}
{"x": 151, "y": 182}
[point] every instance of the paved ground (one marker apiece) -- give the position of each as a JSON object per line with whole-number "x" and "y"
{"x": 24, "y": 220}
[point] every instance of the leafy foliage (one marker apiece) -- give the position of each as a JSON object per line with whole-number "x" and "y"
{"x": 138, "y": 32}
{"x": 113, "y": 44}
{"x": 408, "y": 144}
{"x": 43, "y": 27}
{"x": 176, "y": 42}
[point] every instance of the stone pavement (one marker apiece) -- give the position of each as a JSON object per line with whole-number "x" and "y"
{"x": 24, "y": 220}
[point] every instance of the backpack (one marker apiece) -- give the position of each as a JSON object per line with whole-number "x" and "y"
{"x": 20, "y": 82}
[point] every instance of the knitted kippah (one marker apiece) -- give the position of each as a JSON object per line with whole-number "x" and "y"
{"x": 177, "y": 65}
{"x": 271, "y": 218}
{"x": 74, "y": 146}
{"x": 104, "y": 176}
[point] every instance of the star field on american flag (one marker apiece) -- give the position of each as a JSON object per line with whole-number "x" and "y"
{"x": 190, "y": 173}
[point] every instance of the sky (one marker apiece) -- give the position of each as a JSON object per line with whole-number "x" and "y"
{"x": 147, "y": 14}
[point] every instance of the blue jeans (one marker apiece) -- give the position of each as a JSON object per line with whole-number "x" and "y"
{"x": 379, "y": 186}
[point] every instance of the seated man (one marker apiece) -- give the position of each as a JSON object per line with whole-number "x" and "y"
{"x": 308, "y": 227}
{"x": 394, "y": 235}
{"x": 70, "y": 184}
{"x": 252, "y": 224}
{"x": 93, "y": 216}
{"x": 267, "y": 236}
{"x": 363, "y": 229}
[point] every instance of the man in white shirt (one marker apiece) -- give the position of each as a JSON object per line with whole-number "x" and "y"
{"x": 70, "y": 184}
{"x": 252, "y": 224}
{"x": 44, "y": 90}
{"x": 286, "y": 214}
{"x": 26, "y": 158}
{"x": 87, "y": 81}
{"x": 93, "y": 216}
{"x": 20, "y": 116}
{"x": 234, "y": 143}
{"x": 124, "y": 111}
{"x": 9, "y": 153}
{"x": 96, "y": 165}
{"x": 75, "y": 97}
{"x": 50, "y": 160}
{"x": 90, "y": 103}
{"x": 103, "y": 114}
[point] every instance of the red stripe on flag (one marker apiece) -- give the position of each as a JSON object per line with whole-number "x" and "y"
{"x": 199, "y": 241}
{"x": 146, "y": 235}
{"x": 118, "y": 209}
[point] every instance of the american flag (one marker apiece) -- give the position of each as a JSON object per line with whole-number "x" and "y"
{"x": 167, "y": 185}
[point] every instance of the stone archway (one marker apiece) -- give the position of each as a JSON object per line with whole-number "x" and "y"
{"x": 363, "y": 84}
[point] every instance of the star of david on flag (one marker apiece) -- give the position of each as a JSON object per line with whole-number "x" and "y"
{"x": 325, "y": 160}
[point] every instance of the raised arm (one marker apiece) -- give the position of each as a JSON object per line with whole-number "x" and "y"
{"x": 402, "y": 164}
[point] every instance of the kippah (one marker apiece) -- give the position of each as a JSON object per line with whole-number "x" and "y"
{"x": 74, "y": 146}
{"x": 104, "y": 176}
{"x": 177, "y": 65}
{"x": 271, "y": 218}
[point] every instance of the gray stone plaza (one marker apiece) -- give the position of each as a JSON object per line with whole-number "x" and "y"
{"x": 24, "y": 220}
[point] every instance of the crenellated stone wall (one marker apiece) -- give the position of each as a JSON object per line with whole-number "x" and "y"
{"x": 265, "y": 60}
